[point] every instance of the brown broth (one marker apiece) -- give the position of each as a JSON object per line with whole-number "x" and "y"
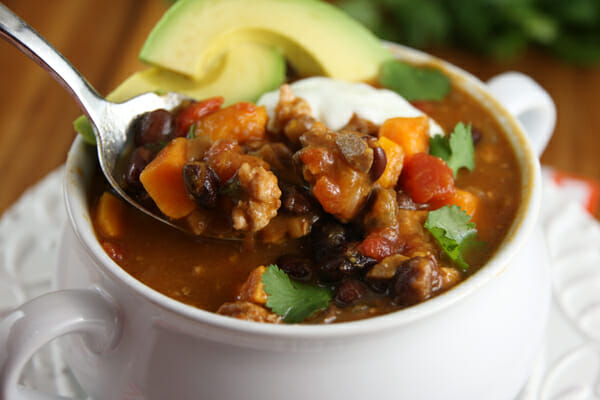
{"x": 204, "y": 273}
{"x": 495, "y": 179}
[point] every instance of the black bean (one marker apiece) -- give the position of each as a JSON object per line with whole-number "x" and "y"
{"x": 349, "y": 292}
{"x": 297, "y": 267}
{"x": 383, "y": 274}
{"x": 357, "y": 263}
{"x": 296, "y": 200}
{"x": 140, "y": 157}
{"x": 331, "y": 269}
{"x": 202, "y": 183}
{"x": 154, "y": 127}
{"x": 329, "y": 236}
{"x": 379, "y": 163}
{"x": 377, "y": 285}
{"x": 476, "y": 134}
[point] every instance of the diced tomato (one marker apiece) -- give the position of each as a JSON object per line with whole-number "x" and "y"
{"x": 427, "y": 179}
{"x": 381, "y": 243}
{"x": 192, "y": 113}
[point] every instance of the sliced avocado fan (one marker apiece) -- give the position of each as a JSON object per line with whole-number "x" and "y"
{"x": 316, "y": 37}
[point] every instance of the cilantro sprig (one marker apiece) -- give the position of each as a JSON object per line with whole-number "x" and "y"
{"x": 457, "y": 151}
{"x": 293, "y": 301}
{"x": 414, "y": 82}
{"x": 451, "y": 227}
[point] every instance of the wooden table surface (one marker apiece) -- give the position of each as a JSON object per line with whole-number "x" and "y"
{"x": 102, "y": 39}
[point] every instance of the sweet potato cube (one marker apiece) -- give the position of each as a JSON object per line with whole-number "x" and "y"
{"x": 394, "y": 155}
{"x": 412, "y": 134}
{"x": 240, "y": 121}
{"x": 467, "y": 201}
{"x": 110, "y": 212}
{"x": 253, "y": 289}
{"x": 163, "y": 180}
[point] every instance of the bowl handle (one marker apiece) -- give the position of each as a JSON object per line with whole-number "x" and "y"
{"x": 529, "y": 103}
{"x": 35, "y": 323}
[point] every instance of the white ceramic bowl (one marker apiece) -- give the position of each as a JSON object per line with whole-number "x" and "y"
{"x": 476, "y": 341}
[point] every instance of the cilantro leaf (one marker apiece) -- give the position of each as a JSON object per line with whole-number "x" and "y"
{"x": 293, "y": 301}
{"x": 461, "y": 146}
{"x": 454, "y": 221}
{"x": 414, "y": 83}
{"x": 439, "y": 147}
{"x": 458, "y": 151}
{"x": 452, "y": 229}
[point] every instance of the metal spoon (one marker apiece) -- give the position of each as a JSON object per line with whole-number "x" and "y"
{"x": 111, "y": 120}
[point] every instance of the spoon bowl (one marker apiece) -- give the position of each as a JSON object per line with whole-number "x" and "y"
{"x": 110, "y": 120}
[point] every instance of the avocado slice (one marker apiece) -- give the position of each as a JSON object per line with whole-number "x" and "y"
{"x": 243, "y": 73}
{"x": 316, "y": 37}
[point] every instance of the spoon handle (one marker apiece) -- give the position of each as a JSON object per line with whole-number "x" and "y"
{"x": 26, "y": 39}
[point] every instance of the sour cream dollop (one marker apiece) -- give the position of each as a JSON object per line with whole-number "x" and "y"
{"x": 334, "y": 102}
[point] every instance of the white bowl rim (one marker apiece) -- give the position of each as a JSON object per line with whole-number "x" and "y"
{"x": 520, "y": 230}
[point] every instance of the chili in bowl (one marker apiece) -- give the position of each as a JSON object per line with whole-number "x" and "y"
{"x": 342, "y": 221}
{"x": 424, "y": 322}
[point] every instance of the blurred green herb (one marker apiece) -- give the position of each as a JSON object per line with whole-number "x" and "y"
{"x": 570, "y": 29}
{"x": 414, "y": 83}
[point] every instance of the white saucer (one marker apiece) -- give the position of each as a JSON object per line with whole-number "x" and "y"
{"x": 569, "y": 369}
